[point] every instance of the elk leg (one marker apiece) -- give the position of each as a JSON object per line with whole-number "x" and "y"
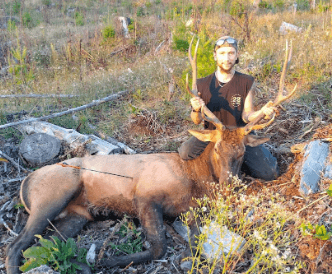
{"x": 68, "y": 227}
{"x": 35, "y": 225}
{"x": 151, "y": 218}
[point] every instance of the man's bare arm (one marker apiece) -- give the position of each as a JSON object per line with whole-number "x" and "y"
{"x": 249, "y": 114}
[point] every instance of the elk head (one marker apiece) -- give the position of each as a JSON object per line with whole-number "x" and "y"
{"x": 230, "y": 142}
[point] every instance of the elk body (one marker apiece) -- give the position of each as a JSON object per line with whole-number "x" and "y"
{"x": 155, "y": 185}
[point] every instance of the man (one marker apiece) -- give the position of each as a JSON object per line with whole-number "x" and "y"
{"x": 229, "y": 95}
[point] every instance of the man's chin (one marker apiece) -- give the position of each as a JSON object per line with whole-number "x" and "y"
{"x": 226, "y": 70}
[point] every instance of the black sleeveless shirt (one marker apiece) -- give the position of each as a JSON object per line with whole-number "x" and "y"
{"x": 226, "y": 102}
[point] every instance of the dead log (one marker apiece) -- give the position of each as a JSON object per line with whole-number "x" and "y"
{"x": 12, "y": 161}
{"x": 54, "y": 115}
{"x": 94, "y": 145}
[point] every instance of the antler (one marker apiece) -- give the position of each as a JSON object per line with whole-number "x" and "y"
{"x": 253, "y": 125}
{"x": 206, "y": 113}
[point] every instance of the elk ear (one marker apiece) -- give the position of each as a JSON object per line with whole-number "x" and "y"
{"x": 204, "y": 135}
{"x": 254, "y": 141}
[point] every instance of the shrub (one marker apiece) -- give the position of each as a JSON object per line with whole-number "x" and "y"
{"x": 27, "y": 20}
{"x": 11, "y": 25}
{"x": 79, "y": 19}
{"x": 108, "y": 32}
{"x": 16, "y": 7}
{"x": 303, "y": 4}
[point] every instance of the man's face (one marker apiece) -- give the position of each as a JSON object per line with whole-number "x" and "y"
{"x": 226, "y": 58}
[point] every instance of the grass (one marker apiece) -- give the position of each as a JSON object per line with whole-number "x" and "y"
{"x": 69, "y": 55}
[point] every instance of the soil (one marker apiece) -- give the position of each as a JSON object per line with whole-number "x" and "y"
{"x": 144, "y": 133}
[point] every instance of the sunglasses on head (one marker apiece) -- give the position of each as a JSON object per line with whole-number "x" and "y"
{"x": 222, "y": 41}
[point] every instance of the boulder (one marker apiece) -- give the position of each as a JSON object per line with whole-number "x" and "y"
{"x": 314, "y": 165}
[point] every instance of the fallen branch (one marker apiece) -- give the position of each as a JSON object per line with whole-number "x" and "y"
{"x": 12, "y": 161}
{"x": 93, "y": 104}
{"x": 8, "y": 228}
{"x": 38, "y": 96}
{"x": 15, "y": 180}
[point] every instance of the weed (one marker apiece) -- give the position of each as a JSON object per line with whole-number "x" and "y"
{"x": 133, "y": 242}
{"x": 79, "y": 18}
{"x": 108, "y": 32}
{"x": 27, "y": 20}
{"x": 16, "y": 7}
{"x": 57, "y": 254}
{"x": 267, "y": 241}
{"x": 11, "y": 25}
{"x": 18, "y": 66}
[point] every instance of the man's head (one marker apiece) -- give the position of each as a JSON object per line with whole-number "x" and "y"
{"x": 226, "y": 53}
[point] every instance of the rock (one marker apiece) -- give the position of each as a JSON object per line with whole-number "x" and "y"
{"x": 122, "y": 24}
{"x": 285, "y": 27}
{"x": 313, "y": 166}
{"x": 181, "y": 229}
{"x": 91, "y": 255}
{"x": 43, "y": 269}
{"x": 40, "y": 149}
{"x": 186, "y": 266}
{"x": 328, "y": 171}
{"x": 220, "y": 238}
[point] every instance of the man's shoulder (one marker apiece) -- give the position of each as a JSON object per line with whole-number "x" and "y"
{"x": 206, "y": 79}
{"x": 245, "y": 76}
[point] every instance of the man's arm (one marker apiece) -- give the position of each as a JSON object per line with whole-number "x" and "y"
{"x": 249, "y": 114}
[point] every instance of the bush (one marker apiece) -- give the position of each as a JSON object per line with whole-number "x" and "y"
{"x": 16, "y": 7}
{"x": 108, "y": 32}
{"x": 79, "y": 19}
{"x": 11, "y": 25}
{"x": 303, "y": 4}
{"x": 27, "y": 20}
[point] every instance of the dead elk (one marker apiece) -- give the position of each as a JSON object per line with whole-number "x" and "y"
{"x": 146, "y": 191}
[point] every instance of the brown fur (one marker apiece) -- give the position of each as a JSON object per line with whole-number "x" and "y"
{"x": 161, "y": 184}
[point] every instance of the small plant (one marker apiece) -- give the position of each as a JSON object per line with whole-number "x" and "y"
{"x": 108, "y": 32}
{"x": 16, "y": 6}
{"x": 46, "y": 3}
{"x": 27, "y": 20}
{"x": 17, "y": 65}
{"x": 56, "y": 254}
{"x": 11, "y": 25}
{"x": 133, "y": 244}
{"x": 79, "y": 19}
{"x": 317, "y": 231}
{"x": 266, "y": 243}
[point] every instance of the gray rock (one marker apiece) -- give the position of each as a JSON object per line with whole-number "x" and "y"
{"x": 186, "y": 266}
{"x": 313, "y": 166}
{"x": 91, "y": 255}
{"x": 328, "y": 171}
{"x": 220, "y": 240}
{"x": 43, "y": 269}
{"x": 181, "y": 229}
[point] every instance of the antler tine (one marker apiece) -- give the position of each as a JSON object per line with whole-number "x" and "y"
{"x": 280, "y": 97}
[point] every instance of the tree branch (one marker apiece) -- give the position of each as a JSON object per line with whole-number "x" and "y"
{"x": 93, "y": 104}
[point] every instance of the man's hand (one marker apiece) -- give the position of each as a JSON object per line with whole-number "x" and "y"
{"x": 197, "y": 103}
{"x": 268, "y": 110}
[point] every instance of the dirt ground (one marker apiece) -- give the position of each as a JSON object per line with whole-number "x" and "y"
{"x": 287, "y": 139}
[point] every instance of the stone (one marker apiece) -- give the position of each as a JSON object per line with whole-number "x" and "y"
{"x": 313, "y": 166}
{"x": 181, "y": 229}
{"x": 220, "y": 240}
{"x": 91, "y": 255}
{"x": 328, "y": 171}
{"x": 186, "y": 266}
{"x": 43, "y": 269}
{"x": 286, "y": 27}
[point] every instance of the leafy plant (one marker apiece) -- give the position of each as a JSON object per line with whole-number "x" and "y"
{"x": 16, "y": 6}
{"x": 79, "y": 19}
{"x": 108, "y": 32}
{"x": 317, "y": 231}
{"x": 17, "y": 65}
{"x": 56, "y": 254}
{"x": 11, "y": 25}
{"x": 133, "y": 244}
{"x": 27, "y": 20}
